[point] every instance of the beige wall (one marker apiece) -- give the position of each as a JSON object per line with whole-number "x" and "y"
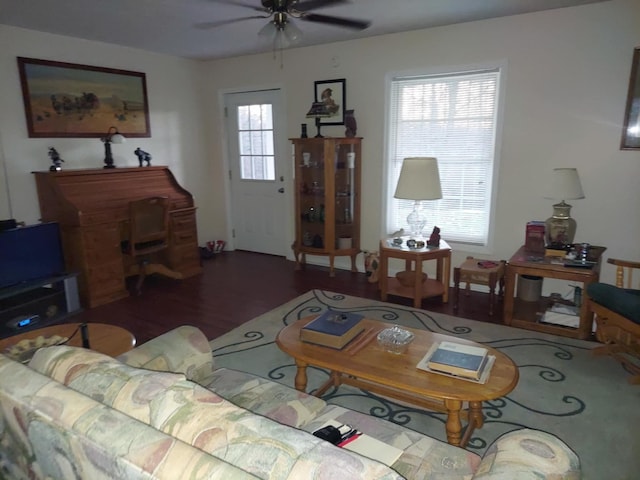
{"x": 177, "y": 120}
{"x": 566, "y": 83}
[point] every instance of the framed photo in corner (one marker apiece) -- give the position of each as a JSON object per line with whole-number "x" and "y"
{"x": 72, "y": 100}
{"x": 631, "y": 127}
{"x": 333, "y": 94}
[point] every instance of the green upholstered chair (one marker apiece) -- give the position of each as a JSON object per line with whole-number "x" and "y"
{"x": 617, "y": 310}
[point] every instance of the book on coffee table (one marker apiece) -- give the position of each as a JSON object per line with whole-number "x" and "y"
{"x": 458, "y": 359}
{"x": 332, "y": 329}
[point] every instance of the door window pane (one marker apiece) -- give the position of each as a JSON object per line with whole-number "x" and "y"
{"x": 256, "y": 144}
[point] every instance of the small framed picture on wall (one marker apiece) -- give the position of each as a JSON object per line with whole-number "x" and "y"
{"x": 333, "y": 94}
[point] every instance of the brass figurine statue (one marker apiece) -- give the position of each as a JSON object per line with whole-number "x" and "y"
{"x": 56, "y": 159}
{"x": 143, "y": 156}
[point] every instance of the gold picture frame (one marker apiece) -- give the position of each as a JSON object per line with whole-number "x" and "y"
{"x": 71, "y": 100}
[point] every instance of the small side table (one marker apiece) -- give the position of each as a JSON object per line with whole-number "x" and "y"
{"x": 413, "y": 258}
{"x": 524, "y": 262}
{"x": 472, "y": 271}
{"x": 103, "y": 338}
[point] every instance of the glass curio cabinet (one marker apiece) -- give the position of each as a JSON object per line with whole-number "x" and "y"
{"x": 327, "y": 196}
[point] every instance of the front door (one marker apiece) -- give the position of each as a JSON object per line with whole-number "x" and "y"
{"x": 257, "y": 155}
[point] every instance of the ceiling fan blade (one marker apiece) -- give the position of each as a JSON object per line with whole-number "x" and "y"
{"x": 338, "y": 21}
{"x": 241, "y": 4}
{"x": 208, "y": 25}
{"x": 306, "y": 5}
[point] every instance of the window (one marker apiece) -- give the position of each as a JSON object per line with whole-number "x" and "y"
{"x": 255, "y": 141}
{"x": 453, "y": 117}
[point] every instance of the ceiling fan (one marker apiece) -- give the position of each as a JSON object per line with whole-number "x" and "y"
{"x": 280, "y": 29}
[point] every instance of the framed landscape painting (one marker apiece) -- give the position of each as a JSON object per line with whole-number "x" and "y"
{"x": 332, "y": 94}
{"x": 71, "y": 100}
{"x": 631, "y": 128}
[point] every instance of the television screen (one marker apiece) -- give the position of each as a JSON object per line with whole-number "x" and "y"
{"x": 30, "y": 253}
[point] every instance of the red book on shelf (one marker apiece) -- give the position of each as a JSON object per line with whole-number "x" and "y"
{"x": 534, "y": 238}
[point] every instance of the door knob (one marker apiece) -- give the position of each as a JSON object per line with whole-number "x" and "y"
{"x": 281, "y": 190}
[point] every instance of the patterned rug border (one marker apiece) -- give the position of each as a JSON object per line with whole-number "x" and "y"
{"x": 557, "y": 391}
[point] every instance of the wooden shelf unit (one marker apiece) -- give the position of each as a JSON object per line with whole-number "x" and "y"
{"x": 327, "y": 198}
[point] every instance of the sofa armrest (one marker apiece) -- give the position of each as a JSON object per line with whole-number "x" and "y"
{"x": 529, "y": 454}
{"x": 182, "y": 350}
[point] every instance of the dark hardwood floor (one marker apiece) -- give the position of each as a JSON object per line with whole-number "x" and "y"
{"x": 238, "y": 286}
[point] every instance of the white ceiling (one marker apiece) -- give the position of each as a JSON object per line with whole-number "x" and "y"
{"x": 174, "y": 27}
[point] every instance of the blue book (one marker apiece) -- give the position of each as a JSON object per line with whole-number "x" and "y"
{"x": 458, "y": 359}
{"x": 332, "y": 329}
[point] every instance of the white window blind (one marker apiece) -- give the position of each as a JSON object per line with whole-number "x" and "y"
{"x": 452, "y": 117}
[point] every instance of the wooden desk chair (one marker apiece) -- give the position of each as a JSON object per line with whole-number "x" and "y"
{"x": 148, "y": 235}
{"x": 617, "y": 310}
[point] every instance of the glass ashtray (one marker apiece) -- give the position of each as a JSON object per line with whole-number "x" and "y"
{"x": 395, "y": 339}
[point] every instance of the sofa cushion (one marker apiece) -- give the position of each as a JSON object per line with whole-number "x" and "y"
{"x": 528, "y": 455}
{"x": 201, "y": 418}
{"x": 184, "y": 349}
{"x": 422, "y": 457}
{"x": 270, "y": 399}
{"x": 50, "y": 431}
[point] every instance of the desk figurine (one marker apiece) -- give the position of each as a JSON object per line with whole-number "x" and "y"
{"x": 55, "y": 158}
{"x": 143, "y": 156}
{"x": 434, "y": 239}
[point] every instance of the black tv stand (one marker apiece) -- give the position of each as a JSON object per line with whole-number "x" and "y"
{"x": 38, "y": 303}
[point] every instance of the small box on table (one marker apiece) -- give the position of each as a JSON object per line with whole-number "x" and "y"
{"x": 534, "y": 237}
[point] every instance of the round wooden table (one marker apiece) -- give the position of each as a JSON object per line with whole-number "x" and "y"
{"x": 103, "y": 338}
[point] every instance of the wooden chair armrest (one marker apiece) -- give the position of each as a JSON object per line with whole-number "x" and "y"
{"x": 623, "y": 263}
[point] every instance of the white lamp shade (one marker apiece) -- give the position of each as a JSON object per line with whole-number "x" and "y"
{"x": 419, "y": 179}
{"x": 118, "y": 138}
{"x": 565, "y": 185}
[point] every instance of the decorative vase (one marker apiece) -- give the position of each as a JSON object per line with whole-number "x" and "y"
{"x": 560, "y": 228}
{"x": 350, "y": 124}
{"x": 303, "y": 130}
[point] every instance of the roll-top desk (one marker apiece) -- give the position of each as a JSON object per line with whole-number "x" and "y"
{"x": 92, "y": 208}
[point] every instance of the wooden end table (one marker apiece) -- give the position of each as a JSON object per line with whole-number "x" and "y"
{"x": 526, "y": 314}
{"x": 103, "y": 338}
{"x": 413, "y": 258}
{"x": 372, "y": 368}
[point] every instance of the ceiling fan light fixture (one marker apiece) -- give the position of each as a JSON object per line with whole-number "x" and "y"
{"x": 268, "y": 32}
{"x": 281, "y": 32}
{"x": 292, "y": 32}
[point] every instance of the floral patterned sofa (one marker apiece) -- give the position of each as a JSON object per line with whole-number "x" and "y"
{"x": 161, "y": 411}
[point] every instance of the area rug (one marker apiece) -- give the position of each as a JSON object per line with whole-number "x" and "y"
{"x": 563, "y": 389}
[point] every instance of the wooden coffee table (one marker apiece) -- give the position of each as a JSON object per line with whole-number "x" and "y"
{"x": 103, "y": 338}
{"x": 374, "y": 369}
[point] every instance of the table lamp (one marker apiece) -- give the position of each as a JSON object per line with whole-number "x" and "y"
{"x": 113, "y": 136}
{"x": 318, "y": 110}
{"x": 560, "y": 228}
{"x": 419, "y": 180}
